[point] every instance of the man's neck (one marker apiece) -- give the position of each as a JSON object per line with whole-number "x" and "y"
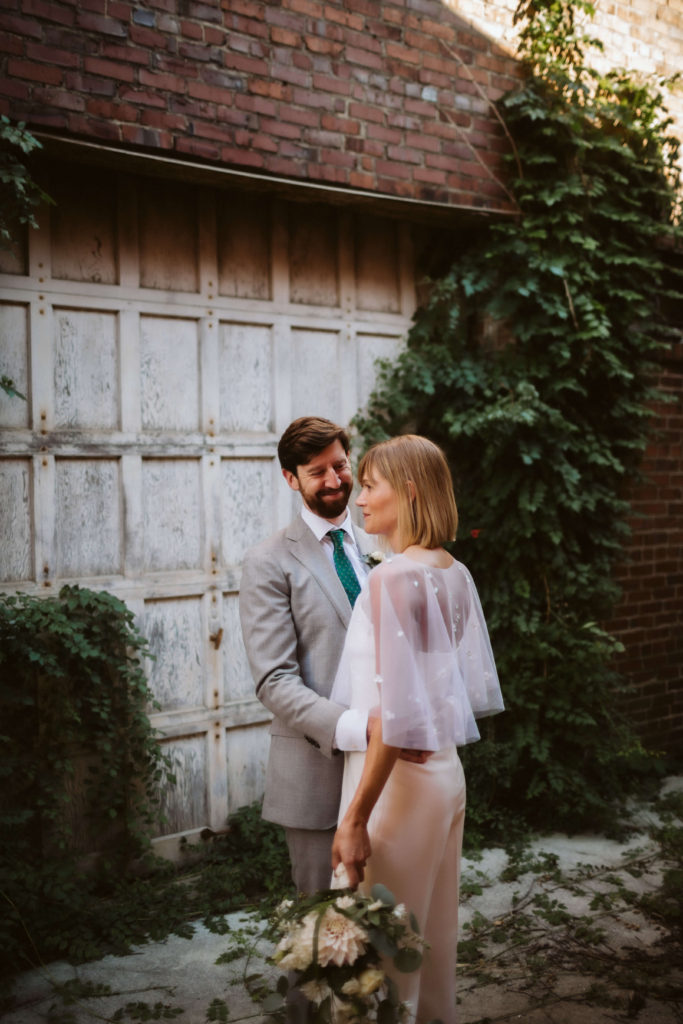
{"x": 336, "y": 521}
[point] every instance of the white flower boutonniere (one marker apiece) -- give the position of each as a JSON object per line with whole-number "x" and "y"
{"x": 374, "y": 558}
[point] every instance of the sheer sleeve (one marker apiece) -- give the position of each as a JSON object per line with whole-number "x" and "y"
{"x": 434, "y": 666}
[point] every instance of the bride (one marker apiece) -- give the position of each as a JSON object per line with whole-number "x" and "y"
{"x": 418, "y": 658}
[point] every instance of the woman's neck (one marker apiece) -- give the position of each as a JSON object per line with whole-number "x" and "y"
{"x": 437, "y": 558}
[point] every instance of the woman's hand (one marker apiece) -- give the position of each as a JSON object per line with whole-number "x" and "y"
{"x": 351, "y": 847}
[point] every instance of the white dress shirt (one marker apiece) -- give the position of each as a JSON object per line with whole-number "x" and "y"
{"x": 352, "y": 728}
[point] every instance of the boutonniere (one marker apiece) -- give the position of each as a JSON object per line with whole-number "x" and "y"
{"x": 374, "y": 558}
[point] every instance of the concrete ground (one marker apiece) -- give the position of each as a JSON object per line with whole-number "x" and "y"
{"x": 556, "y": 939}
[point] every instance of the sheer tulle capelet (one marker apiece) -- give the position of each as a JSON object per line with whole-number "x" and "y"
{"x": 434, "y": 670}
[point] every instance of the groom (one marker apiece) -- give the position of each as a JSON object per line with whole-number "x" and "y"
{"x": 296, "y": 596}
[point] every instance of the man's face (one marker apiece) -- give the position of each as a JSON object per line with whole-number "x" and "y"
{"x": 325, "y": 482}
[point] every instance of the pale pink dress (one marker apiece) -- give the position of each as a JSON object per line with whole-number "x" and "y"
{"x": 418, "y": 648}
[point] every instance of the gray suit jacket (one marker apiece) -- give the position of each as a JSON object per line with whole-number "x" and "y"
{"x": 294, "y": 614}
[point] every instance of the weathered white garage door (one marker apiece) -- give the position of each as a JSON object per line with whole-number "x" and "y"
{"x": 165, "y": 334}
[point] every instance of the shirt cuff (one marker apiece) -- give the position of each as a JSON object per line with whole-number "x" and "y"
{"x": 352, "y": 730}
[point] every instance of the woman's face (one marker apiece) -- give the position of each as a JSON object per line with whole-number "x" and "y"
{"x": 378, "y": 502}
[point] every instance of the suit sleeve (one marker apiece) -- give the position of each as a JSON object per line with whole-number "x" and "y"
{"x": 272, "y": 642}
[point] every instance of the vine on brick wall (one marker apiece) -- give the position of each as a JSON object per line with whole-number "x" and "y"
{"x": 531, "y": 364}
{"x": 19, "y": 197}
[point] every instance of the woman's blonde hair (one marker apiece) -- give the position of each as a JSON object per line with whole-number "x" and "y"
{"x": 427, "y": 513}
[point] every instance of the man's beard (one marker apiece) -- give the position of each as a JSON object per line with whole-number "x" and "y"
{"x": 326, "y": 507}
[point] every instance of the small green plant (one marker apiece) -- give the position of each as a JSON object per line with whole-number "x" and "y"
{"x": 80, "y": 767}
{"x": 19, "y": 193}
{"x": 9, "y": 387}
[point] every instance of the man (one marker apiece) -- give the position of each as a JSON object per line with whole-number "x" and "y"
{"x": 294, "y": 610}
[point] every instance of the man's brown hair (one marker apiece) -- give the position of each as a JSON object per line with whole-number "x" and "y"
{"x": 305, "y": 438}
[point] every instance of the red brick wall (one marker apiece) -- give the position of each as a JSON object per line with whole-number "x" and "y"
{"x": 386, "y": 96}
{"x": 649, "y": 620}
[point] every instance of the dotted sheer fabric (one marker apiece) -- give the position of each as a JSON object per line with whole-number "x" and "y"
{"x": 418, "y": 649}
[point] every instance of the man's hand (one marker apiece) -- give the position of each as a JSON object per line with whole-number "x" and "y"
{"x": 415, "y": 756}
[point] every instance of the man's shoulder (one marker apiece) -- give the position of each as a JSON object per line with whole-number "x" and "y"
{"x": 270, "y": 546}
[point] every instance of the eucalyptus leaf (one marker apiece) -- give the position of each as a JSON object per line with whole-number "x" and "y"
{"x": 272, "y": 1003}
{"x": 384, "y": 945}
{"x": 408, "y": 959}
{"x": 380, "y": 892}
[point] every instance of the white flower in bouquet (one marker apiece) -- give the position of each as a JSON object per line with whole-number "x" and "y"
{"x": 339, "y": 940}
{"x": 294, "y": 952}
{"x": 316, "y": 991}
{"x": 365, "y": 984}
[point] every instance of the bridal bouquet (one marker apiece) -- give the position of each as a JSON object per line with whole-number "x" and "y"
{"x": 336, "y": 939}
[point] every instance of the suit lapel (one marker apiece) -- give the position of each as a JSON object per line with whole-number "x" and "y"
{"x": 308, "y": 551}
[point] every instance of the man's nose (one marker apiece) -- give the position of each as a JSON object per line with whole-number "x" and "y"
{"x": 332, "y": 475}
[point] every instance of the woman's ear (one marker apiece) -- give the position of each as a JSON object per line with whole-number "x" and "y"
{"x": 411, "y": 489}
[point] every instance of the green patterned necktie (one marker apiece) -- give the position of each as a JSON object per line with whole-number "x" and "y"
{"x": 343, "y": 566}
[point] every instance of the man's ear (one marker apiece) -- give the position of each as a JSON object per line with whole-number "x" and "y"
{"x": 292, "y": 479}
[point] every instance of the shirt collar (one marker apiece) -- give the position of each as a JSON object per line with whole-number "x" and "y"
{"x": 322, "y": 526}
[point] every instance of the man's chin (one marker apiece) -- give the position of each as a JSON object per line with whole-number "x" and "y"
{"x": 330, "y": 508}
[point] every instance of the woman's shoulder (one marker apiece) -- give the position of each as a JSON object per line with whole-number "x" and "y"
{"x": 401, "y": 567}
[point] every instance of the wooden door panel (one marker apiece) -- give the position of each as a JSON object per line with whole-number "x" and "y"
{"x": 313, "y": 256}
{"x": 169, "y": 374}
{"x": 16, "y": 525}
{"x": 172, "y": 513}
{"x": 83, "y": 228}
{"x": 246, "y": 755}
{"x": 246, "y": 377}
{"x": 88, "y": 505}
{"x": 86, "y": 369}
{"x": 244, "y": 247}
{"x": 247, "y": 489}
{"x": 168, "y": 218}
{"x": 372, "y": 347}
{"x": 377, "y": 265}
{"x": 14, "y": 327}
{"x": 175, "y": 630}
{"x": 316, "y": 357}
{"x": 186, "y": 803}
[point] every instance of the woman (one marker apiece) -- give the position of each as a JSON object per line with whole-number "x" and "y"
{"x": 417, "y": 649}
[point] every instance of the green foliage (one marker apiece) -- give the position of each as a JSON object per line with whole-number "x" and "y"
{"x": 249, "y": 863}
{"x": 9, "y": 387}
{"x": 19, "y": 193}
{"x": 532, "y": 365}
{"x": 79, "y": 766}
{"x": 617, "y": 938}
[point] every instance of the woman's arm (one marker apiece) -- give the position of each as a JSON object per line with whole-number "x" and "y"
{"x": 351, "y": 846}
